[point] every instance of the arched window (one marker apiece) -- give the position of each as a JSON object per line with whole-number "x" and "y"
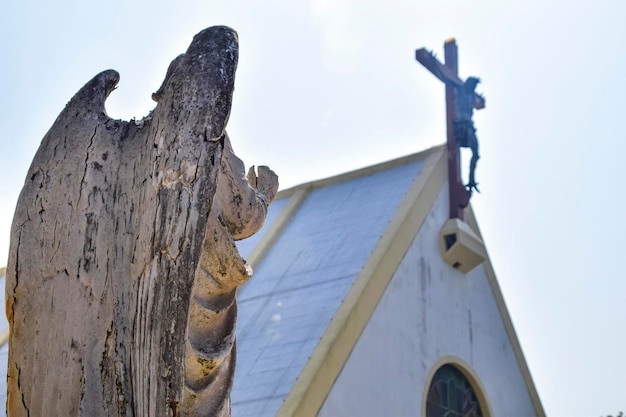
{"x": 451, "y": 395}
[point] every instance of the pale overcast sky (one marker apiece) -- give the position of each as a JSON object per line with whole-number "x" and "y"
{"x": 328, "y": 86}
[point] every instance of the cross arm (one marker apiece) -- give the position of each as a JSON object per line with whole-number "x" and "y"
{"x": 427, "y": 59}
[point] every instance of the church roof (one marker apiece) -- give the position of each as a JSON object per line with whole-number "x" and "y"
{"x": 318, "y": 240}
{"x": 322, "y": 262}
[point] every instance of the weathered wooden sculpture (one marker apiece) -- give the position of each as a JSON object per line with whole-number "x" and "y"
{"x": 123, "y": 270}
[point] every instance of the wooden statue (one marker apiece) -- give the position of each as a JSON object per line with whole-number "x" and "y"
{"x": 122, "y": 270}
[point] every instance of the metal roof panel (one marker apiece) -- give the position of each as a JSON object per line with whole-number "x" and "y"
{"x": 297, "y": 288}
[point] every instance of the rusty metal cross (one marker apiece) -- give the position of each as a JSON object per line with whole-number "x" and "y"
{"x": 448, "y": 73}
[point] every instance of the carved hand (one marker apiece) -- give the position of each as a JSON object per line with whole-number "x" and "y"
{"x": 266, "y": 183}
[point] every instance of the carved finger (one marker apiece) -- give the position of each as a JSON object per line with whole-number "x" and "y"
{"x": 267, "y": 183}
{"x": 252, "y": 177}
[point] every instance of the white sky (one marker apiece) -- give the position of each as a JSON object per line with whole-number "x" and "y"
{"x": 328, "y": 86}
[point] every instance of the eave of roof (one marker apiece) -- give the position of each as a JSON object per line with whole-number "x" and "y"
{"x": 369, "y": 170}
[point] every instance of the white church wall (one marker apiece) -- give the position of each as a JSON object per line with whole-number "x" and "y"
{"x": 429, "y": 312}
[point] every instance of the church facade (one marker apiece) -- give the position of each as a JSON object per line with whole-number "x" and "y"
{"x": 353, "y": 310}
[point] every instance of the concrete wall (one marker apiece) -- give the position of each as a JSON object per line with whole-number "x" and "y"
{"x": 429, "y": 312}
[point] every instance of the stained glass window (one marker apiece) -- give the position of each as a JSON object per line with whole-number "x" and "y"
{"x": 451, "y": 395}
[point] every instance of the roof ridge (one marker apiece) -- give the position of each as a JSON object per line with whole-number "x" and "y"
{"x": 361, "y": 172}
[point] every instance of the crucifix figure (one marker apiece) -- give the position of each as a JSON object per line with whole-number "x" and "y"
{"x": 464, "y": 130}
{"x": 461, "y": 100}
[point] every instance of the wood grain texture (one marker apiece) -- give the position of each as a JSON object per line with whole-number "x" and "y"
{"x": 115, "y": 223}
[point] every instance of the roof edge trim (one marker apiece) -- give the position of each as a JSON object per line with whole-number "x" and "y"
{"x": 325, "y": 364}
{"x": 506, "y": 319}
{"x": 373, "y": 169}
{"x": 4, "y": 337}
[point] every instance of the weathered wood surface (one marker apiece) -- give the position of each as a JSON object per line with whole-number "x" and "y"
{"x": 116, "y": 222}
